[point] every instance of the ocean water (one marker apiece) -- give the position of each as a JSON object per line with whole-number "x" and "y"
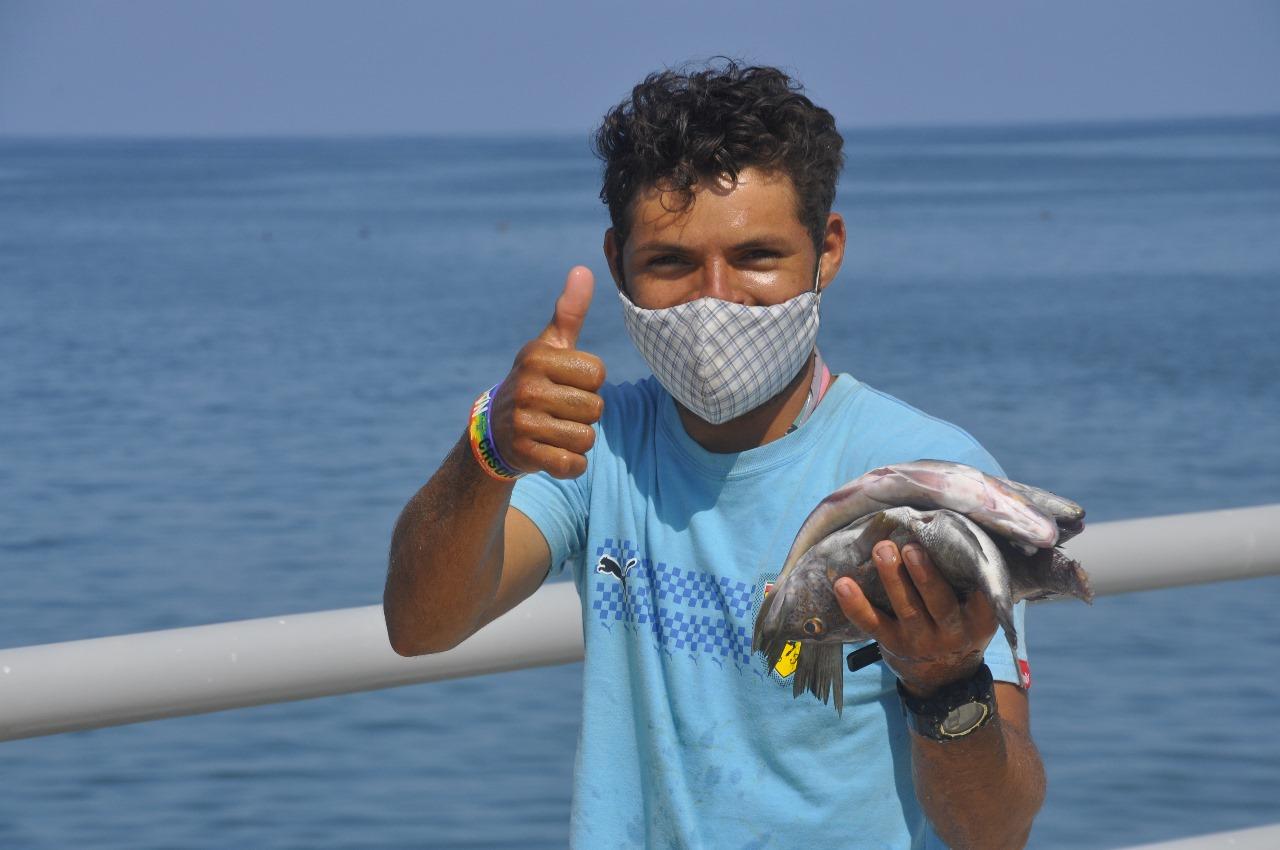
{"x": 224, "y": 366}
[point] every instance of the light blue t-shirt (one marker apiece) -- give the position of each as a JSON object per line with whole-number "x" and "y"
{"x": 687, "y": 740}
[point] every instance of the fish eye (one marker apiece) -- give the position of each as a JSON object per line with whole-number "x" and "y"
{"x": 813, "y": 627}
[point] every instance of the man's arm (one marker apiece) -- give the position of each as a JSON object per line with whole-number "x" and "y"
{"x": 981, "y": 791}
{"x": 460, "y": 555}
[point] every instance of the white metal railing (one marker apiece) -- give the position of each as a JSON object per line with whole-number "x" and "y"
{"x": 1257, "y": 838}
{"x": 85, "y": 684}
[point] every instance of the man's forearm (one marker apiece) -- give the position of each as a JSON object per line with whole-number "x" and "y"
{"x": 447, "y": 550}
{"x": 982, "y": 791}
{"x": 446, "y": 557}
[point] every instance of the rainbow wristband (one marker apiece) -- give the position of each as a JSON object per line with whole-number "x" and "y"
{"x": 483, "y": 447}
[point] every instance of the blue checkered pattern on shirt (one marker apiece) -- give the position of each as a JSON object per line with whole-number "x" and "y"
{"x": 685, "y": 609}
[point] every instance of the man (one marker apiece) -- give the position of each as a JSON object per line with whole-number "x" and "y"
{"x": 675, "y": 500}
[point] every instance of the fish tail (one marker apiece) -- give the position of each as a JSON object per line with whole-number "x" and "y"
{"x": 1070, "y": 579}
{"x": 1050, "y": 574}
{"x": 820, "y": 672}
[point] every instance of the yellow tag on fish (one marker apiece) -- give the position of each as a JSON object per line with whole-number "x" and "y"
{"x": 790, "y": 658}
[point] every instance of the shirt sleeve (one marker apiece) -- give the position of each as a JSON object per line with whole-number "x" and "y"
{"x": 559, "y": 509}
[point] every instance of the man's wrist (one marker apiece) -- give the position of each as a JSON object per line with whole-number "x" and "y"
{"x": 484, "y": 448}
{"x": 923, "y": 679}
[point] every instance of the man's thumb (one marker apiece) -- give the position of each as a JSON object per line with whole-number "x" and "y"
{"x": 571, "y": 308}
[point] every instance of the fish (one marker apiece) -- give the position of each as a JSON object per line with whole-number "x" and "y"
{"x": 1031, "y": 518}
{"x": 982, "y": 533}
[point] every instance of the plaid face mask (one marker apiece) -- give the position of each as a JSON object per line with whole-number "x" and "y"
{"x": 721, "y": 359}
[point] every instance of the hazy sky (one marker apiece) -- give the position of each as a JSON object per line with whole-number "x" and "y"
{"x": 258, "y": 67}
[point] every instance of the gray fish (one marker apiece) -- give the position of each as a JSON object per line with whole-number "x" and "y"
{"x": 1030, "y": 518}
{"x": 802, "y": 606}
{"x": 1067, "y": 515}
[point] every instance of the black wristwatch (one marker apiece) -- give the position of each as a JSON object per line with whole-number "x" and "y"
{"x": 957, "y": 710}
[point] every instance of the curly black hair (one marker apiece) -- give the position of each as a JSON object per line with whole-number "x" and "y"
{"x": 679, "y": 126}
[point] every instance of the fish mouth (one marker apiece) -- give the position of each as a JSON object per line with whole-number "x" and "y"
{"x": 767, "y": 637}
{"x": 770, "y": 637}
{"x": 1069, "y": 528}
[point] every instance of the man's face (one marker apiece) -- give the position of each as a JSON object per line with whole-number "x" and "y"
{"x": 740, "y": 242}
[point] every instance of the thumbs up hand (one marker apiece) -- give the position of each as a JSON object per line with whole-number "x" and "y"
{"x": 543, "y": 412}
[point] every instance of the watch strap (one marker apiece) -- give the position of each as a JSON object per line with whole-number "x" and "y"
{"x": 955, "y": 711}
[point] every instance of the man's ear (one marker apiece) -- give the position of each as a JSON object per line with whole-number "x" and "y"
{"x": 833, "y": 242}
{"x": 613, "y": 254}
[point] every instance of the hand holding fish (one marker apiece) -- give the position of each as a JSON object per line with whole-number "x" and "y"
{"x": 931, "y": 638}
{"x": 987, "y": 543}
{"x": 543, "y": 412}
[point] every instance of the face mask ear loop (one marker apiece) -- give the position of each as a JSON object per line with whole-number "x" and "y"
{"x": 817, "y": 278}
{"x": 622, "y": 276}
{"x": 622, "y": 284}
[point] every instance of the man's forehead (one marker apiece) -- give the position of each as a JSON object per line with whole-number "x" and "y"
{"x": 748, "y": 182}
{"x": 758, "y": 204}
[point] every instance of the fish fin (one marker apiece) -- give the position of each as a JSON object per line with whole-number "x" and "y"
{"x": 993, "y": 577}
{"x": 820, "y": 672}
{"x": 1004, "y": 616}
{"x": 773, "y": 652}
{"x": 1010, "y": 633}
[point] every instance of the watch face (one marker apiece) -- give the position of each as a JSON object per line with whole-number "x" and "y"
{"x": 965, "y": 719}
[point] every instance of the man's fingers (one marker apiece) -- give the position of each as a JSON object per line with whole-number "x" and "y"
{"x": 557, "y": 433}
{"x": 571, "y": 309}
{"x": 903, "y": 598}
{"x": 939, "y": 599}
{"x": 855, "y": 605}
{"x": 572, "y": 404}
{"x": 572, "y": 369}
{"x": 981, "y": 614}
{"x": 549, "y": 400}
{"x": 560, "y": 463}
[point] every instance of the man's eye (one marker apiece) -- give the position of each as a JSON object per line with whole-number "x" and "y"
{"x": 665, "y": 260}
{"x": 759, "y": 254}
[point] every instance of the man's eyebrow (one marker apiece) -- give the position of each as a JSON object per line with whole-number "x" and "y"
{"x": 662, "y": 247}
{"x": 774, "y": 242}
